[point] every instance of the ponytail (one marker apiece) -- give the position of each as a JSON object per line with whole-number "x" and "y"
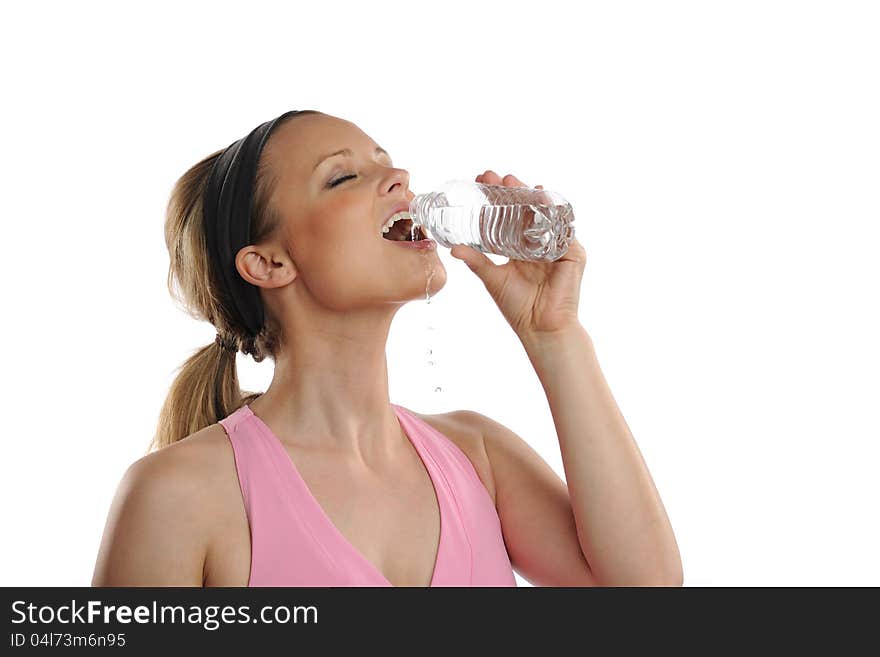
{"x": 205, "y": 391}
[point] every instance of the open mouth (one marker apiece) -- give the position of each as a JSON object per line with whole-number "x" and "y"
{"x": 401, "y": 231}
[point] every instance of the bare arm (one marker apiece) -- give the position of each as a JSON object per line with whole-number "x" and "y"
{"x": 622, "y": 527}
{"x": 153, "y": 535}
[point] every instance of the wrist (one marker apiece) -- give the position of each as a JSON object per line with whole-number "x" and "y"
{"x": 538, "y": 342}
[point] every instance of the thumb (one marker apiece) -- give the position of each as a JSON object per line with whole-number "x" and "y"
{"x": 485, "y": 269}
{"x": 471, "y": 257}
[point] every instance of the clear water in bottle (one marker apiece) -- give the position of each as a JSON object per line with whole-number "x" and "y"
{"x": 521, "y": 223}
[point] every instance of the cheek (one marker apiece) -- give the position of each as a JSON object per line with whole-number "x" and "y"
{"x": 339, "y": 260}
{"x": 339, "y": 221}
{"x": 326, "y": 229}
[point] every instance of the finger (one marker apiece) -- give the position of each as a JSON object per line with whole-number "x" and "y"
{"x": 512, "y": 181}
{"x": 544, "y": 197}
{"x": 489, "y": 177}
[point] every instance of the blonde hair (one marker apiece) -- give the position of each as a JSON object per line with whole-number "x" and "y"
{"x": 206, "y": 389}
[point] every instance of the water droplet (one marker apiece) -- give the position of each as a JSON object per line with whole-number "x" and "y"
{"x": 432, "y": 372}
{"x": 429, "y": 274}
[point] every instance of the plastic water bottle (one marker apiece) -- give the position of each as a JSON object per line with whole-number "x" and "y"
{"x": 521, "y": 223}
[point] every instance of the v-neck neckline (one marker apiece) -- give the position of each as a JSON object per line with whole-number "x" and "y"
{"x": 328, "y": 523}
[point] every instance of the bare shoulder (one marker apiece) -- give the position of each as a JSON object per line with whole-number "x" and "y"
{"x": 464, "y": 428}
{"x": 201, "y": 469}
{"x": 191, "y": 466}
{"x": 159, "y": 522}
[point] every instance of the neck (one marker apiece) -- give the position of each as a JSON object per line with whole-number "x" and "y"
{"x": 330, "y": 386}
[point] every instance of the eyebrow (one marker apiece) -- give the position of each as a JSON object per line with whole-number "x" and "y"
{"x": 349, "y": 152}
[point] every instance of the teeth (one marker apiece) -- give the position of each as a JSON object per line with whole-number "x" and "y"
{"x": 393, "y": 218}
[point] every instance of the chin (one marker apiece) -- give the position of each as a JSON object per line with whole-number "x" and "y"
{"x": 438, "y": 280}
{"x": 432, "y": 281}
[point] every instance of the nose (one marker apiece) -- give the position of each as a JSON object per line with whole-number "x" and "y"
{"x": 394, "y": 178}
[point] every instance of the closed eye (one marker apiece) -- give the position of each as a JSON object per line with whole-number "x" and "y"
{"x": 339, "y": 180}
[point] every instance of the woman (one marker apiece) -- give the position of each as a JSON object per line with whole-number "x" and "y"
{"x": 320, "y": 481}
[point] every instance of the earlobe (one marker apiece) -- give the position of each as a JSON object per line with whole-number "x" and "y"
{"x": 281, "y": 273}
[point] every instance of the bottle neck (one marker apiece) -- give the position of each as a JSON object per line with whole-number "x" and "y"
{"x": 420, "y": 205}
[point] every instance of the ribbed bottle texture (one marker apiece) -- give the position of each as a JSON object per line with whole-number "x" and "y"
{"x": 521, "y": 223}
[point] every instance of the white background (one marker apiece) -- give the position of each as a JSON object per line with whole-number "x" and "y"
{"x": 722, "y": 160}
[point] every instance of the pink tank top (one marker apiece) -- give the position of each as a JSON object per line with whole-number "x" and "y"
{"x": 294, "y": 543}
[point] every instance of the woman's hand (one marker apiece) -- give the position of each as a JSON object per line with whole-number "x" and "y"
{"x": 536, "y": 298}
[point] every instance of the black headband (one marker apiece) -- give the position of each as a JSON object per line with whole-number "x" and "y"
{"x": 227, "y": 207}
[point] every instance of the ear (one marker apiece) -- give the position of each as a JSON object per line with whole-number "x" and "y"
{"x": 265, "y": 266}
